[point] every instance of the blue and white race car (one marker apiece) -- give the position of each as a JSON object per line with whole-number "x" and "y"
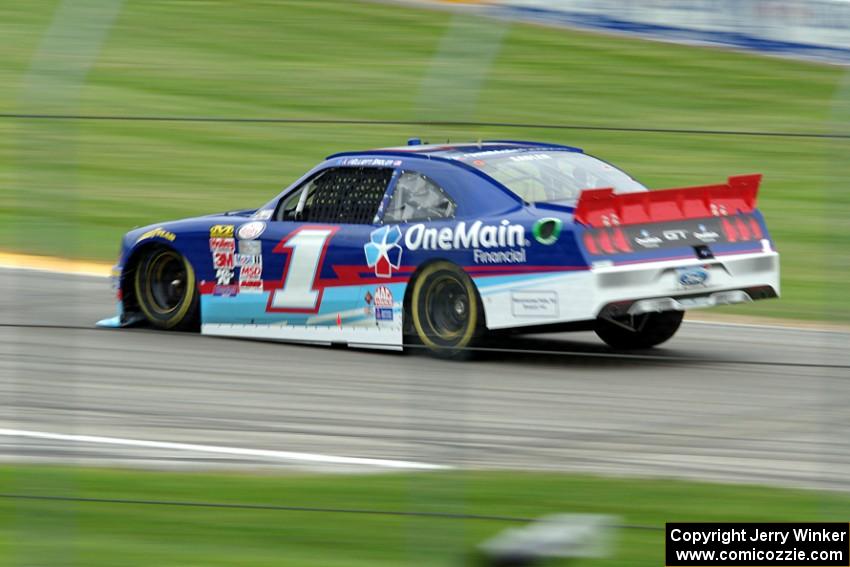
{"x": 444, "y": 244}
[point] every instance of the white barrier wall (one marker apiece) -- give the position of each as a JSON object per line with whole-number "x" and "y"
{"x": 804, "y": 28}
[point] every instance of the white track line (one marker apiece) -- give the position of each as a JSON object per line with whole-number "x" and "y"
{"x": 770, "y": 327}
{"x": 82, "y": 274}
{"x": 259, "y": 453}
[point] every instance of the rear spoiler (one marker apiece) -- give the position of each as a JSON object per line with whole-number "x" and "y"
{"x": 603, "y": 207}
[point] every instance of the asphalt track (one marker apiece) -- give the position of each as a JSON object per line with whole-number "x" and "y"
{"x": 672, "y": 417}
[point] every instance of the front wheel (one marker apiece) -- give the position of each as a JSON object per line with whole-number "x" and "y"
{"x": 445, "y": 310}
{"x": 166, "y": 291}
{"x": 640, "y": 331}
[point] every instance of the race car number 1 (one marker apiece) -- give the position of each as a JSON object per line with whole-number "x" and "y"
{"x": 306, "y": 249}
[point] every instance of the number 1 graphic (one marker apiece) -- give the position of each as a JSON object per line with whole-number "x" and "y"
{"x": 306, "y": 248}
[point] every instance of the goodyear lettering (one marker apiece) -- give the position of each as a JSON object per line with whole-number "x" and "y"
{"x": 158, "y": 232}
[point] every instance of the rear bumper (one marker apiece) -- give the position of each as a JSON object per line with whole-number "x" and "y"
{"x": 619, "y": 290}
{"x": 641, "y": 288}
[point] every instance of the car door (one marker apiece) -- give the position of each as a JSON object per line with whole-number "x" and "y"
{"x": 303, "y": 267}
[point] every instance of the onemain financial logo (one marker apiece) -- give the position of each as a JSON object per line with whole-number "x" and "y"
{"x": 757, "y": 544}
{"x": 502, "y": 243}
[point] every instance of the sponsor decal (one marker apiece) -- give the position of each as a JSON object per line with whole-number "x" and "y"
{"x": 251, "y": 287}
{"x": 674, "y": 235}
{"x": 461, "y": 236}
{"x": 221, "y": 231}
{"x": 375, "y": 162}
{"x": 158, "y": 232}
{"x": 383, "y": 252}
{"x": 383, "y": 300}
{"x": 223, "y": 276}
{"x": 263, "y": 214}
{"x": 647, "y": 240}
{"x": 251, "y": 230}
{"x": 534, "y": 303}
{"x": 383, "y": 297}
{"x": 222, "y": 259}
{"x": 251, "y": 277}
{"x": 530, "y": 157}
{"x": 485, "y": 153}
{"x": 368, "y": 298}
{"x": 706, "y": 235}
{"x": 222, "y": 250}
{"x": 223, "y": 244}
{"x": 225, "y": 290}
{"x": 251, "y": 247}
{"x": 247, "y": 260}
{"x": 499, "y": 256}
{"x": 250, "y": 273}
{"x": 546, "y": 231}
{"x": 692, "y": 277}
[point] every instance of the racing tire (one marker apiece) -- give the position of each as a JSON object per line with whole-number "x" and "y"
{"x": 445, "y": 311}
{"x": 166, "y": 290}
{"x": 649, "y": 330}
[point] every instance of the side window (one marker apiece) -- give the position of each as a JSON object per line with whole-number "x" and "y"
{"x": 418, "y": 198}
{"x": 349, "y": 195}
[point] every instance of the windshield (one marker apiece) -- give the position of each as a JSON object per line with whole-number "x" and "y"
{"x": 550, "y": 175}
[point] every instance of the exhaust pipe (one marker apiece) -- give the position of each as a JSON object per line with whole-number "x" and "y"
{"x": 660, "y": 304}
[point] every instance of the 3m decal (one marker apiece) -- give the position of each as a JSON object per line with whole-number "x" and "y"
{"x": 306, "y": 248}
{"x": 222, "y": 250}
{"x": 222, "y": 259}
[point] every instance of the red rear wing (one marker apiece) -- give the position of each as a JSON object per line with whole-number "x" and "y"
{"x": 602, "y": 207}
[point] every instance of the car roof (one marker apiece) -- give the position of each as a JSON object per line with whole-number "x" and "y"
{"x": 458, "y": 151}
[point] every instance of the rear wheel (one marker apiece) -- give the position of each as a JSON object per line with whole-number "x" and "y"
{"x": 640, "y": 331}
{"x": 445, "y": 311}
{"x": 165, "y": 290}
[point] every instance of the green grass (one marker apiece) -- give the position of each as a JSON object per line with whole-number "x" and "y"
{"x": 93, "y": 534}
{"x": 77, "y": 186}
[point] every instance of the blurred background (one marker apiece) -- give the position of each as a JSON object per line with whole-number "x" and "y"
{"x": 122, "y": 113}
